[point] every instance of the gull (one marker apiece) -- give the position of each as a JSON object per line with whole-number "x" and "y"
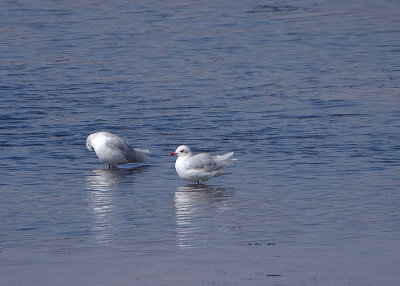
{"x": 113, "y": 150}
{"x": 200, "y": 167}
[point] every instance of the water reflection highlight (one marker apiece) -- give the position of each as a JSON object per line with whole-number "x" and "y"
{"x": 106, "y": 179}
{"x": 196, "y": 206}
{"x": 101, "y": 185}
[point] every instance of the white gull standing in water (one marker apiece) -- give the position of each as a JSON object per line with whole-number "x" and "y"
{"x": 200, "y": 167}
{"x": 113, "y": 150}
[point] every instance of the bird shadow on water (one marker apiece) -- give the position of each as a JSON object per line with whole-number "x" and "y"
{"x": 195, "y": 206}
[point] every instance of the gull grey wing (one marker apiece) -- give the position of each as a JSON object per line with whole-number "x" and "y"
{"x": 119, "y": 144}
{"x": 130, "y": 154}
{"x": 203, "y": 161}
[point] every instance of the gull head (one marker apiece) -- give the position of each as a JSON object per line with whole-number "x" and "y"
{"x": 182, "y": 151}
{"x": 89, "y": 143}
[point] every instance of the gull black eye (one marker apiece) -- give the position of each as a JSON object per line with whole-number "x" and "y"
{"x": 182, "y": 151}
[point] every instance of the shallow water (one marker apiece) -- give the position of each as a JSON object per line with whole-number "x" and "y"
{"x": 305, "y": 94}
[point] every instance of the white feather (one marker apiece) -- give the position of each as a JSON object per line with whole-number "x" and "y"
{"x": 113, "y": 150}
{"x": 200, "y": 167}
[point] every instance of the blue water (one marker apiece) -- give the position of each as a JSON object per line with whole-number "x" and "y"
{"x": 307, "y": 95}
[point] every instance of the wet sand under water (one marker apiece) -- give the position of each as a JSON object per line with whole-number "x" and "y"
{"x": 254, "y": 264}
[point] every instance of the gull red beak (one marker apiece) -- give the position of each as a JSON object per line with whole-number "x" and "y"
{"x": 172, "y": 154}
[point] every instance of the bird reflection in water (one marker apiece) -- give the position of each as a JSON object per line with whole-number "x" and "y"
{"x": 197, "y": 207}
{"x": 100, "y": 185}
{"x": 107, "y": 179}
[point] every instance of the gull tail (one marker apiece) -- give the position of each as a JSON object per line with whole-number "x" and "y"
{"x": 141, "y": 156}
{"x": 225, "y": 159}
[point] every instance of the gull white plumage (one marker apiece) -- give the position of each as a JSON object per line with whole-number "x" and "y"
{"x": 200, "y": 167}
{"x": 114, "y": 150}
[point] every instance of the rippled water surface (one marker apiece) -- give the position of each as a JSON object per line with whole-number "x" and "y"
{"x": 306, "y": 93}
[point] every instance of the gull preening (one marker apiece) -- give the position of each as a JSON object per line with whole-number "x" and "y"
{"x": 113, "y": 150}
{"x": 200, "y": 167}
